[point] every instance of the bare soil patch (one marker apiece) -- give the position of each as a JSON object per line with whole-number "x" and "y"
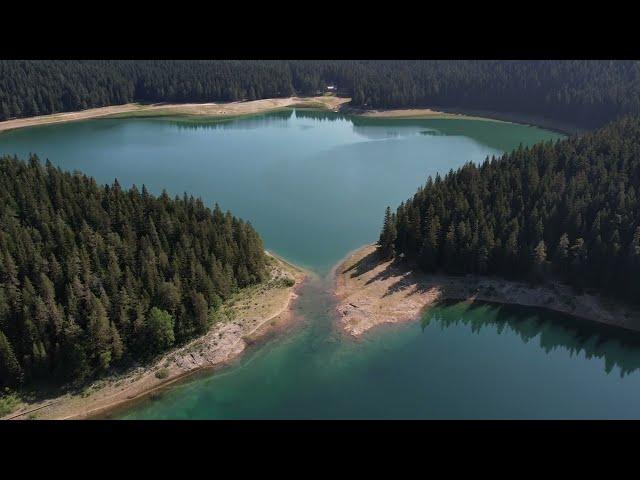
{"x": 371, "y": 292}
{"x": 231, "y": 109}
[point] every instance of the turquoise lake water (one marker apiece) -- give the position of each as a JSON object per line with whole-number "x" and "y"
{"x": 315, "y": 186}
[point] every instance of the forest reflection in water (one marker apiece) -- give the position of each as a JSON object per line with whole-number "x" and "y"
{"x": 552, "y": 330}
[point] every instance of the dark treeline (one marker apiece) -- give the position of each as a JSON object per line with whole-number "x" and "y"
{"x": 568, "y": 210}
{"x": 586, "y": 93}
{"x": 94, "y": 277}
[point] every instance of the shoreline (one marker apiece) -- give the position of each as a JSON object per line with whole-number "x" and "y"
{"x": 414, "y": 113}
{"x": 529, "y": 119}
{"x": 264, "y": 307}
{"x": 220, "y": 110}
{"x": 229, "y": 110}
{"x": 456, "y": 113}
{"x": 371, "y": 292}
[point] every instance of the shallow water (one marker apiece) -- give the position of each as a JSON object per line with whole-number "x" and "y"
{"x": 461, "y": 361}
{"x": 315, "y": 186}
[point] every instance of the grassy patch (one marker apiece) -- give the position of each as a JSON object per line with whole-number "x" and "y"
{"x": 142, "y": 113}
{"x": 284, "y": 282}
{"x": 162, "y": 373}
{"x": 309, "y": 105}
{"x": 9, "y": 401}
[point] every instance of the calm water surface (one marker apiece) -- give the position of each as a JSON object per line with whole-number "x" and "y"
{"x": 315, "y": 186}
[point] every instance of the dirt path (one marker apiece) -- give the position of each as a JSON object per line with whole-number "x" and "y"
{"x": 371, "y": 292}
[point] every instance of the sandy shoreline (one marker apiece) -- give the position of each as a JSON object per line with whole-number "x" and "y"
{"x": 445, "y": 113}
{"x": 371, "y": 292}
{"x": 231, "y": 109}
{"x": 326, "y": 102}
{"x": 412, "y": 113}
{"x": 521, "y": 118}
{"x": 247, "y": 317}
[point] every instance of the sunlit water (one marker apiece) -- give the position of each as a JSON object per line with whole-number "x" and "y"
{"x": 315, "y": 186}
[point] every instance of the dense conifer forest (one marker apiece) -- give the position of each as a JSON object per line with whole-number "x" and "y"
{"x": 93, "y": 277}
{"x": 567, "y": 210}
{"x": 586, "y": 93}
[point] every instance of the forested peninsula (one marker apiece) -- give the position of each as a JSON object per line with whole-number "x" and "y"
{"x": 96, "y": 277}
{"x": 555, "y": 226}
{"x": 568, "y": 209}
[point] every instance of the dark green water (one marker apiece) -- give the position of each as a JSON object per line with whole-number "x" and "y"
{"x": 315, "y": 186}
{"x": 461, "y": 362}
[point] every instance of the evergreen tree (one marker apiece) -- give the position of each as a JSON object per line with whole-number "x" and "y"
{"x": 539, "y": 260}
{"x": 387, "y": 236}
{"x": 160, "y": 329}
{"x": 10, "y": 371}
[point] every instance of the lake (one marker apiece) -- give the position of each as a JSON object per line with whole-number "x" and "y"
{"x": 315, "y": 186}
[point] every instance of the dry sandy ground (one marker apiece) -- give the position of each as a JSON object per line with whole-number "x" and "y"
{"x": 371, "y": 292}
{"x": 200, "y": 109}
{"x": 469, "y": 114}
{"x": 411, "y": 113}
{"x": 244, "y": 318}
{"x": 70, "y": 116}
